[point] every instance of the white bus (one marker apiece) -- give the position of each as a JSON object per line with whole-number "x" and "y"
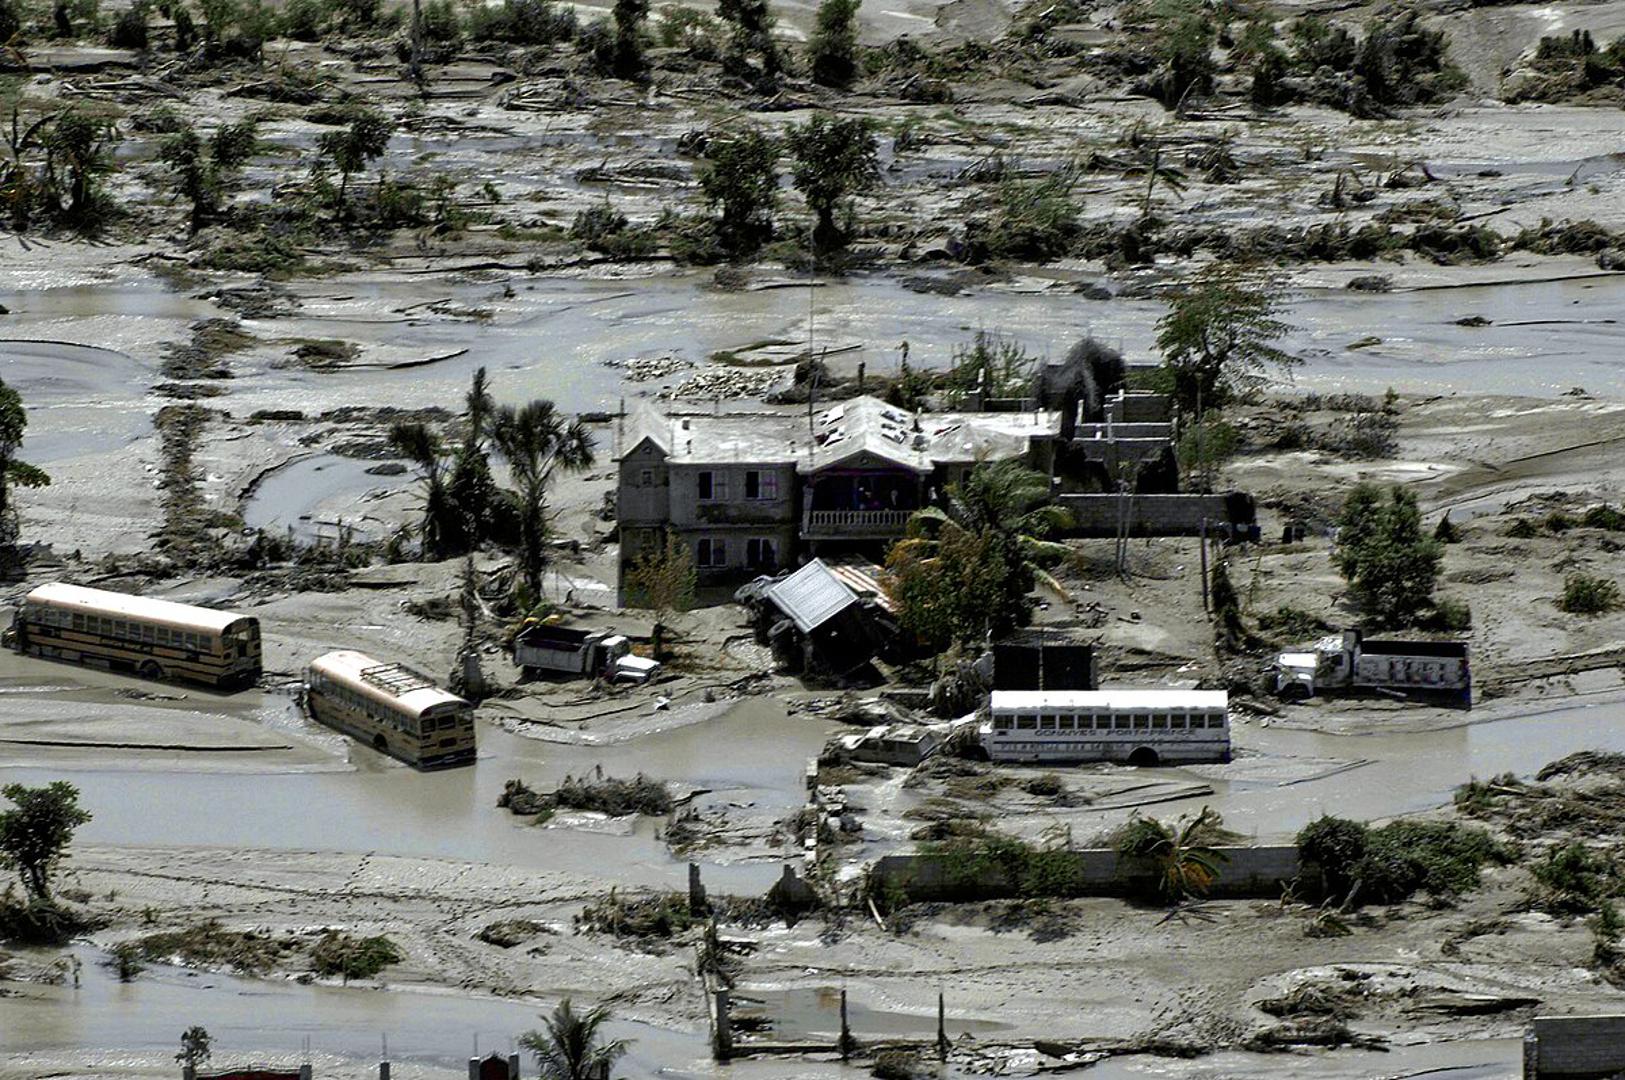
{"x": 155, "y": 639}
{"x": 1140, "y": 727}
{"x": 391, "y": 708}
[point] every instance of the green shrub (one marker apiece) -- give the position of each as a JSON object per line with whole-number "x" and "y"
{"x": 1584, "y": 594}
{"x": 1572, "y": 880}
{"x": 130, "y": 28}
{"x": 1559, "y": 521}
{"x": 1292, "y": 624}
{"x": 1336, "y": 845}
{"x": 338, "y": 953}
{"x": 305, "y": 20}
{"x": 1447, "y": 531}
{"x": 37, "y": 922}
{"x": 1604, "y": 517}
{"x": 1439, "y": 858}
{"x": 1521, "y": 529}
{"x": 1451, "y": 614}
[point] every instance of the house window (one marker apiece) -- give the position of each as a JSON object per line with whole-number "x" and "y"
{"x": 646, "y": 478}
{"x": 711, "y": 552}
{"x": 761, "y": 485}
{"x": 759, "y": 553}
{"x": 713, "y": 487}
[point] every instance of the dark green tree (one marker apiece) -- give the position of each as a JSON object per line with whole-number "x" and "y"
{"x": 78, "y": 152}
{"x": 571, "y": 1045}
{"x": 831, "y": 160}
{"x": 630, "y": 15}
{"x": 966, "y": 570}
{"x": 1187, "y": 56}
{"x": 537, "y": 442}
{"x": 196, "y": 1047}
{"x": 203, "y": 171}
{"x": 11, "y": 20}
{"x": 833, "y": 47}
{"x": 740, "y": 179}
{"x": 353, "y": 147}
{"x": 471, "y": 491}
{"x": 1389, "y": 561}
{"x": 751, "y": 34}
{"x": 36, "y": 831}
{"x": 1218, "y": 338}
{"x": 13, "y": 473}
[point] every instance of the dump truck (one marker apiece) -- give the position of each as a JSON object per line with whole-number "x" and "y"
{"x": 1350, "y": 662}
{"x": 572, "y": 651}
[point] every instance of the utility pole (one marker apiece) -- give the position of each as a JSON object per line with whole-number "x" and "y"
{"x": 1205, "y": 605}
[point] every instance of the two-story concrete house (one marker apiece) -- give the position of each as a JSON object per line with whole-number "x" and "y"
{"x": 753, "y": 493}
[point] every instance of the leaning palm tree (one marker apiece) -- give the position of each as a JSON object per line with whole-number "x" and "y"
{"x": 536, "y": 441}
{"x": 1184, "y": 853}
{"x": 1007, "y": 499}
{"x": 569, "y": 1047}
{"x": 422, "y": 446}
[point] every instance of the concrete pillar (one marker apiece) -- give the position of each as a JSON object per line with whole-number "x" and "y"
{"x": 942, "y": 1028}
{"x": 846, "y": 1031}
{"x": 188, "y": 1072}
{"x": 304, "y": 1071}
{"x": 513, "y": 1067}
{"x": 1531, "y": 1055}
{"x": 722, "y": 1033}
{"x": 383, "y": 1070}
{"x": 473, "y": 1068}
{"x": 696, "y": 891}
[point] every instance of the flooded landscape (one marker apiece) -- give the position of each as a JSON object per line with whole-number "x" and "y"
{"x": 490, "y": 348}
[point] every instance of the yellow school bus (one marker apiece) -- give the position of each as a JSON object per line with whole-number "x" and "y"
{"x": 391, "y": 708}
{"x": 155, "y": 639}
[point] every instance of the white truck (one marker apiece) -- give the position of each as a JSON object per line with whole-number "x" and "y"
{"x": 1351, "y": 662}
{"x": 571, "y": 651}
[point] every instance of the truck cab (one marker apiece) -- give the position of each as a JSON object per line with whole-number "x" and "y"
{"x": 614, "y": 660}
{"x": 1300, "y": 675}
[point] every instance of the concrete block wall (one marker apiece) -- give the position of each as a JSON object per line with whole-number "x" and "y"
{"x": 1575, "y": 1047}
{"x": 1249, "y": 873}
{"x": 1151, "y": 515}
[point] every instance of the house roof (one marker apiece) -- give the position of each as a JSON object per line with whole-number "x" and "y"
{"x": 863, "y": 425}
{"x": 811, "y": 596}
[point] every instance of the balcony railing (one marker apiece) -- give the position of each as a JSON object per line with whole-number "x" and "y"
{"x": 838, "y": 523}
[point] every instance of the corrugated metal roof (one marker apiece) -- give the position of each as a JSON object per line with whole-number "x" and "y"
{"x": 863, "y": 578}
{"x": 811, "y": 596}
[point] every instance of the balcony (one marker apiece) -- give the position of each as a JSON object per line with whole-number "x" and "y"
{"x": 853, "y": 524}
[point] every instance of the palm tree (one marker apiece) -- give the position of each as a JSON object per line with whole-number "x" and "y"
{"x": 469, "y": 486}
{"x": 536, "y": 440}
{"x": 569, "y": 1047}
{"x": 1004, "y": 498}
{"x": 1187, "y": 861}
{"x": 415, "y": 441}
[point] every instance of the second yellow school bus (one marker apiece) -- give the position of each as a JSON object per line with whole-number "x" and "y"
{"x": 391, "y": 708}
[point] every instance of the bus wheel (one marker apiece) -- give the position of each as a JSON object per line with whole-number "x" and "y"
{"x": 378, "y": 744}
{"x": 150, "y": 669}
{"x": 1143, "y": 756}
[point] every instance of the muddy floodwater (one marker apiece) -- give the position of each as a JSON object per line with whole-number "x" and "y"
{"x": 159, "y": 799}
{"x": 277, "y": 1020}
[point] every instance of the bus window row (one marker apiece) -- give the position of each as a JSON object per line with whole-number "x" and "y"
{"x": 1110, "y": 722}
{"x": 409, "y": 725}
{"x": 128, "y": 630}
